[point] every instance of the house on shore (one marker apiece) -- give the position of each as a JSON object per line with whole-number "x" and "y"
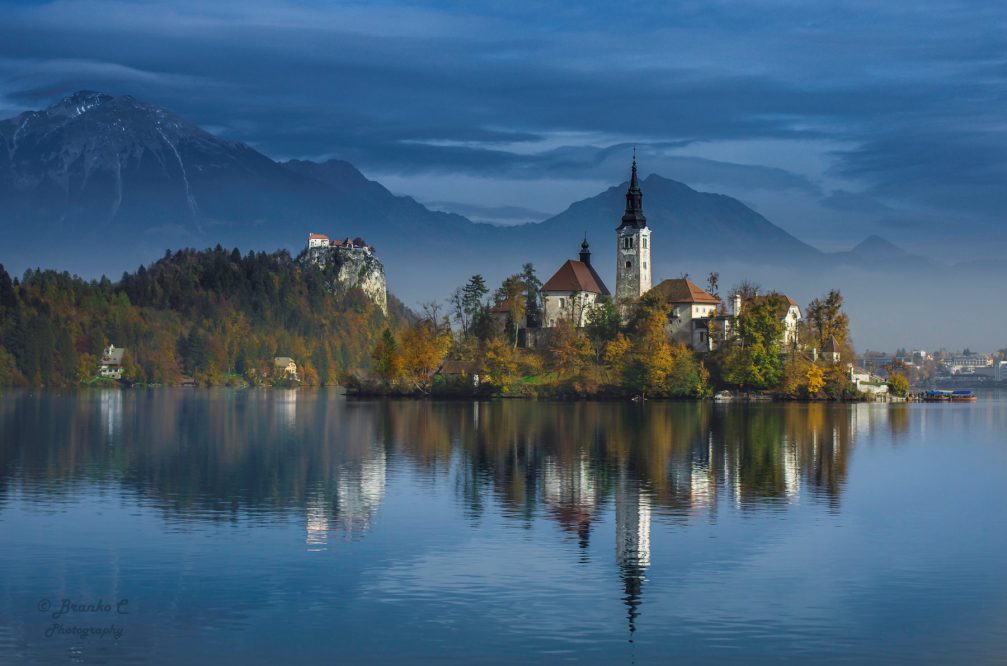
{"x": 830, "y": 351}
{"x": 110, "y": 365}
{"x": 866, "y": 382}
{"x": 284, "y": 367}
{"x": 690, "y": 311}
{"x": 463, "y": 372}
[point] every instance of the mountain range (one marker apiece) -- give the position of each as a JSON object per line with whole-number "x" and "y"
{"x": 98, "y": 184}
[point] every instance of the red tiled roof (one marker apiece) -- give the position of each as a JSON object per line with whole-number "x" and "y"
{"x": 317, "y": 237}
{"x": 683, "y": 290}
{"x": 576, "y": 276}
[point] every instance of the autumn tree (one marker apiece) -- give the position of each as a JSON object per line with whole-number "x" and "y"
{"x": 747, "y": 289}
{"x": 814, "y": 379}
{"x": 568, "y": 350}
{"x": 512, "y": 294}
{"x": 387, "y": 360}
{"x": 423, "y": 347}
{"x": 602, "y": 327}
{"x": 645, "y": 368}
{"x": 502, "y": 363}
{"x": 616, "y": 351}
{"x": 898, "y": 384}
{"x": 826, "y": 319}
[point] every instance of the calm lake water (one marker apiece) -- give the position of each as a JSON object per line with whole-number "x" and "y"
{"x": 265, "y": 527}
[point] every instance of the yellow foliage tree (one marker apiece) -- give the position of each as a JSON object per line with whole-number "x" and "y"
{"x": 568, "y": 349}
{"x": 423, "y": 347}
{"x": 502, "y": 363}
{"x": 615, "y": 351}
{"x": 814, "y": 379}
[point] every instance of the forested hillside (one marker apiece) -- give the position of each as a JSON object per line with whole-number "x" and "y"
{"x": 214, "y": 315}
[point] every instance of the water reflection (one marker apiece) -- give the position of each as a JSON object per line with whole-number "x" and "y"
{"x": 328, "y": 458}
{"x": 632, "y": 541}
{"x": 594, "y": 470}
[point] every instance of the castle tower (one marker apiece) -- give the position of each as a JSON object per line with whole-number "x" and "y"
{"x": 632, "y": 255}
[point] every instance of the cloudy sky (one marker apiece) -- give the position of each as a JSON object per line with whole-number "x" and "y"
{"x": 834, "y": 119}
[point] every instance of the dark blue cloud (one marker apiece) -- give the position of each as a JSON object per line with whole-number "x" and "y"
{"x": 908, "y": 95}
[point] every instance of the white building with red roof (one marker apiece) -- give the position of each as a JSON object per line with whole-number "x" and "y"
{"x": 690, "y": 309}
{"x": 318, "y": 240}
{"x": 572, "y": 291}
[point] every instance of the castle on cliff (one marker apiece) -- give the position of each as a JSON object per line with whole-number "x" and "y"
{"x": 349, "y": 263}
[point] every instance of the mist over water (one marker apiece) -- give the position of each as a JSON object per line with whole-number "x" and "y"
{"x": 257, "y": 526}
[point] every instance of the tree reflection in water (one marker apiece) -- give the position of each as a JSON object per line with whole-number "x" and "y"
{"x": 210, "y": 455}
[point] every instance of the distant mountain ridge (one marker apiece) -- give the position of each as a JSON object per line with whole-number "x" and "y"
{"x": 877, "y": 251}
{"x": 697, "y": 223}
{"x": 119, "y": 180}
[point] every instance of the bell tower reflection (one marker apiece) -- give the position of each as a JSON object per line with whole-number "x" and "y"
{"x": 632, "y": 541}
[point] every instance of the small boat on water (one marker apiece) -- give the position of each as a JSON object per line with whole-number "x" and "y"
{"x": 939, "y": 395}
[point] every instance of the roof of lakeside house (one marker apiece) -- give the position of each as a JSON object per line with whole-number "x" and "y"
{"x": 830, "y": 346}
{"x": 683, "y": 290}
{"x": 283, "y": 361}
{"x": 317, "y": 237}
{"x": 785, "y": 309}
{"x": 113, "y": 355}
{"x": 576, "y": 276}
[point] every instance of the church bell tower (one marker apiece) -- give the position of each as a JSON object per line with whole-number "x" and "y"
{"x": 632, "y": 255}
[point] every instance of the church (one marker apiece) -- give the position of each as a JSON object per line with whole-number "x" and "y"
{"x": 576, "y": 287}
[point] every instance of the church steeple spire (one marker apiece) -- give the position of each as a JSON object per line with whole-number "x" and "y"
{"x": 632, "y": 237}
{"x": 633, "y": 217}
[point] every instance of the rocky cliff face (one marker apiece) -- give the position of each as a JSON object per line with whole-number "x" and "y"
{"x": 346, "y": 268}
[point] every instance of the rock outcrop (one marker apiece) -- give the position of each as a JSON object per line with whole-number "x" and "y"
{"x": 349, "y": 267}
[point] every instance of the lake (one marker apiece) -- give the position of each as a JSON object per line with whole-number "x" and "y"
{"x": 270, "y": 526}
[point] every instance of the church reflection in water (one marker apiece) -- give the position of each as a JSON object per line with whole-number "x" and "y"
{"x": 632, "y": 541}
{"x": 197, "y": 455}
